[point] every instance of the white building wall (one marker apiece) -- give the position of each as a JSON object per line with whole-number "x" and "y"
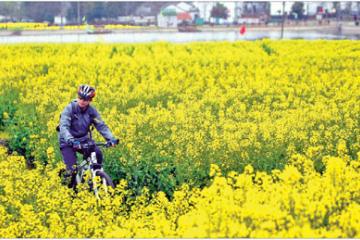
{"x": 167, "y": 21}
{"x": 276, "y": 8}
{"x": 59, "y": 20}
{"x": 310, "y": 8}
{"x": 184, "y": 6}
{"x": 205, "y": 9}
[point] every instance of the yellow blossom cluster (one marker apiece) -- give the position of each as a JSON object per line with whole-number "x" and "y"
{"x": 22, "y": 25}
{"x": 295, "y": 202}
{"x": 277, "y": 121}
{"x": 232, "y": 103}
{"x": 45, "y": 26}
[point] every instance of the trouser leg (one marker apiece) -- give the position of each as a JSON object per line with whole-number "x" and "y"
{"x": 99, "y": 155}
{"x": 69, "y": 157}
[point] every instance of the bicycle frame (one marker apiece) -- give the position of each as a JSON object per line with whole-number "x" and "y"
{"x": 90, "y": 163}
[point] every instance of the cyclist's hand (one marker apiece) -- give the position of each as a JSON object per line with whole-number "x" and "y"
{"x": 112, "y": 142}
{"x": 76, "y": 144}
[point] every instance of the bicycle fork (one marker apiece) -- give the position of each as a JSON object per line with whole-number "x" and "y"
{"x": 93, "y": 174}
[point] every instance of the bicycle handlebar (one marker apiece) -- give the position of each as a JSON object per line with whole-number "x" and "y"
{"x": 100, "y": 144}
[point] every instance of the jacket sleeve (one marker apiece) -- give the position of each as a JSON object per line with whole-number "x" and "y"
{"x": 102, "y": 128}
{"x": 65, "y": 123}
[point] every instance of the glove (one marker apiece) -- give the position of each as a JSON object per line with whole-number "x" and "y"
{"x": 112, "y": 142}
{"x": 76, "y": 144}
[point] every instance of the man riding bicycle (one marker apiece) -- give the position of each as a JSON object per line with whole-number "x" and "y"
{"x": 74, "y": 127}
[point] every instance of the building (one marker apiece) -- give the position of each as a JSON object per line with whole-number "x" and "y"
{"x": 251, "y": 12}
{"x": 238, "y": 11}
{"x": 60, "y": 20}
{"x": 206, "y": 7}
{"x": 3, "y": 18}
{"x": 276, "y": 8}
{"x": 144, "y": 14}
{"x": 172, "y": 15}
{"x": 252, "y": 9}
{"x": 167, "y": 16}
{"x": 189, "y": 8}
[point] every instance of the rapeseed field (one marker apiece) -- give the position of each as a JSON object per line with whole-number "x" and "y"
{"x": 244, "y": 139}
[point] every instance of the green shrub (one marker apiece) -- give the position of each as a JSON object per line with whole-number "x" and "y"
{"x": 8, "y": 106}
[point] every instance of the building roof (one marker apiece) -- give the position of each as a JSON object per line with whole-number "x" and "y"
{"x": 187, "y": 7}
{"x": 176, "y": 8}
{"x": 171, "y": 10}
{"x": 149, "y": 8}
{"x": 183, "y": 16}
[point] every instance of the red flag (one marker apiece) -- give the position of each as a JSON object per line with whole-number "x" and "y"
{"x": 242, "y": 29}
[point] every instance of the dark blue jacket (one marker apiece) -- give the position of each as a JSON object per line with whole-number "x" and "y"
{"x": 75, "y": 124}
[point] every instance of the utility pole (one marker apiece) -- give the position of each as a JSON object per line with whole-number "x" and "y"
{"x": 18, "y": 11}
{"x": 283, "y": 21}
{"x": 338, "y": 18}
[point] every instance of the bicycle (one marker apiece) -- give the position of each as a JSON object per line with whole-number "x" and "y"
{"x": 90, "y": 164}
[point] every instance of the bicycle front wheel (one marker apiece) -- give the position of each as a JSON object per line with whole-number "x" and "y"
{"x": 105, "y": 182}
{"x": 105, "y": 178}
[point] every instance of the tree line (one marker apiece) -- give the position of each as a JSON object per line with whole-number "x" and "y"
{"x": 73, "y": 11}
{"x": 78, "y": 12}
